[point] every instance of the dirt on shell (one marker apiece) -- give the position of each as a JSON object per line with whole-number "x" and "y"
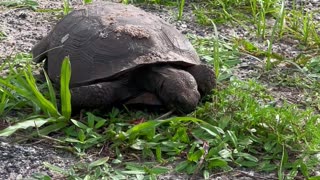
{"x": 133, "y": 31}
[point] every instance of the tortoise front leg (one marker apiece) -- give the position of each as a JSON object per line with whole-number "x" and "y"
{"x": 98, "y": 95}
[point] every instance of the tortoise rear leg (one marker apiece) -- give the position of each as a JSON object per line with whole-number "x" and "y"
{"x": 205, "y": 77}
{"x": 176, "y": 88}
{"x": 99, "y": 95}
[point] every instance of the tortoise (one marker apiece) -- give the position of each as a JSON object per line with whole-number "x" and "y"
{"x": 120, "y": 53}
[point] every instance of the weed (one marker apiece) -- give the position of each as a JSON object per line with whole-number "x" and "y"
{"x": 277, "y": 25}
{"x": 84, "y": 135}
{"x": 104, "y": 169}
{"x": 3, "y": 103}
{"x": 216, "y": 60}
{"x": 179, "y": 4}
{"x": 20, "y": 84}
{"x": 66, "y": 7}
{"x": 64, "y": 88}
{"x": 302, "y": 26}
{"x": 161, "y": 2}
{"x": 313, "y": 64}
{"x": 245, "y": 109}
{"x": 253, "y": 50}
{"x": 20, "y": 3}
{"x": 181, "y": 7}
{"x": 87, "y": 1}
{"x": 305, "y": 29}
{"x": 223, "y": 55}
{"x": 289, "y": 22}
{"x": 240, "y": 127}
{"x": 2, "y": 35}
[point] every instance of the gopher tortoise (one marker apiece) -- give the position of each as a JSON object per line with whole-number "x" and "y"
{"x": 120, "y": 52}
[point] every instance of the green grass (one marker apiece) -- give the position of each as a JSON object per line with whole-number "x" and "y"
{"x": 20, "y": 85}
{"x": 290, "y": 23}
{"x": 223, "y": 55}
{"x": 240, "y": 127}
{"x": 242, "y": 124}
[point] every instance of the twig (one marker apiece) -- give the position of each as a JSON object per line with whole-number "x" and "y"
{"x": 47, "y": 51}
{"x": 249, "y": 55}
{"x": 219, "y": 174}
{"x": 206, "y": 150}
{"x": 165, "y": 115}
{"x": 253, "y": 177}
{"x": 241, "y": 173}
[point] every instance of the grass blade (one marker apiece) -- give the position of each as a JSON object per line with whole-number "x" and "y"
{"x": 55, "y": 168}
{"x": 24, "y": 125}
{"x": 66, "y": 7}
{"x": 45, "y": 104}
{"x": 50, "y": 89}
{"x": 27, "y": 88}
{"x": 52, "y": 128}
{"x": 3, "y": 102}
{"x": 181, "y": 7}
{"x": 216, "y": 56}
{"x": 99, "y": 162}
{"x": 64, "y": 88}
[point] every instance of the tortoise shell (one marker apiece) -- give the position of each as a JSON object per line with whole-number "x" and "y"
{"x": 105, "y": 40}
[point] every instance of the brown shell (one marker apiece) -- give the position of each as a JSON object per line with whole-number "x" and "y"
{"x": 107, "y": 39}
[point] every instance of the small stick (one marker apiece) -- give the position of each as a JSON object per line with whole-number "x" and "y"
{"x": 206, "y": 150}
{"x": 252, "y": 176}
{"x": 165, "y": 114}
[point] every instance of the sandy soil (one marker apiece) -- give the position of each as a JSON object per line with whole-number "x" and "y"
{"x": 24, "y": 27}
